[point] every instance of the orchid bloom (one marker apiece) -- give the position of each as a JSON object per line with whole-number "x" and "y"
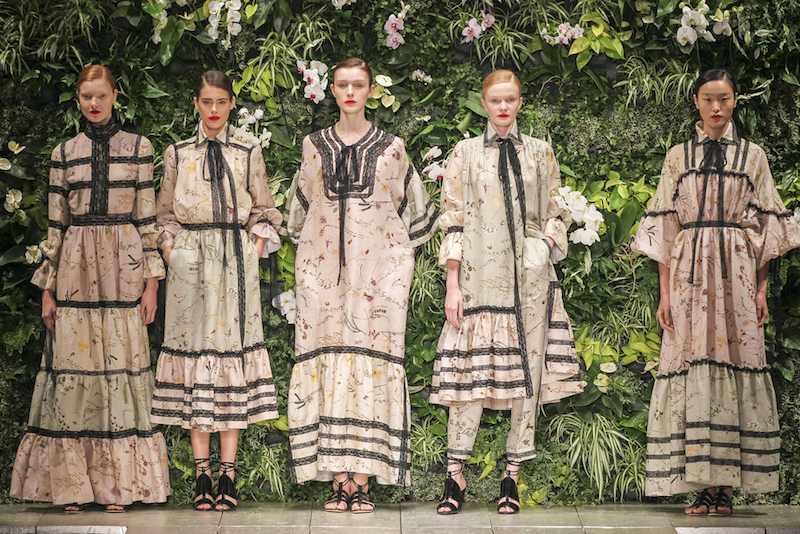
{"x": 472, "y": 31}
{"x": 393, "y": 25}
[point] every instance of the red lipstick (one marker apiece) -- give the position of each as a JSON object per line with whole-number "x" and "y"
{"x": 213, "y": 118}
{"x": 95, "y": 112}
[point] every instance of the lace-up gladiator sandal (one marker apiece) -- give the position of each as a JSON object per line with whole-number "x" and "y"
{"x": 339, "y": 495}
{"x": 704, "y": 498}
{"x": 722, "y": 500}
{"x": 226, "y": 488}
{"x": 361, "y": 498}
{"x": 452, "y": 491}
{"x": 508, "y": 490}
{"x": 204, "y": 487}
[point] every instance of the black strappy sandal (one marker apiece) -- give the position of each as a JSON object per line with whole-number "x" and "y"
{"x": 361, "y": 498}
{"x": 704, "y": 498}
{"x": 226, "y": 488}
{"x": 204, "y": 487}
{"x": 722, "y": 499}
{"x": 339, "y": 496}
{"x": 508, "y": 490}
{"x": 451, "y": 491}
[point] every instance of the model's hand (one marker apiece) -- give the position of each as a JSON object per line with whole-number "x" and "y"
{"x": 454, "y": 306}
{"x": 550, "y": 242}
{"x": 762, "y": 310}
{"x": 167, "y": 252}
{"x": 147, "y": 310}
{"x": 49, "y": 309}
{"x": 665, "y": 315}
{"x": 259, "y": 243}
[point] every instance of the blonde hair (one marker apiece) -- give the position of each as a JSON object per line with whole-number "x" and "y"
{"x": 500, "y": 76}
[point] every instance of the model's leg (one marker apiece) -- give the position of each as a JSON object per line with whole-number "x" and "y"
{"x": 703, "y": 502}
{"x": 227, "y": 498}
{"x": 359, "y": 500}
{"x": 462, "y": 427}
{"x": 520, "y": 446}
{"x": 200, "y": 449}
{"x": 342, "y": 488}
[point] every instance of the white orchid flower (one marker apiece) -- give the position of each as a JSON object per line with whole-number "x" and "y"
{"x": 686, "y": 35}
{"x": 394, "y": 40}
{"x": 5, "y": 165}
{"x": 314, "y": 92}
{"x": 432, "y": 153}
{"x": 383, "y": 80}
{"x": 321, "y": 67}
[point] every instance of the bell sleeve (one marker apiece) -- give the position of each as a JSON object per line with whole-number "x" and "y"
{"x": 144, "y": 212}
{"x": 265, "y": 219}
{"x": 297, "y": 195}
{"x": 416, "y": 210}
{"x": 452, "y": 204}
{"x": 771, "y": 228}
{"x": 59, "y": 219}
{"x": 165, "y": 211}
{"x": 660, "y": 225}
{"x": 558, "y": 219}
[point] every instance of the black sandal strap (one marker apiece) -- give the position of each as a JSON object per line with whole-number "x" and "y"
{"x": 361, "y": 498}
{"x": 204, "y": 486}
{"x": 704, "y": 498}
{"x": 226, "y": 487}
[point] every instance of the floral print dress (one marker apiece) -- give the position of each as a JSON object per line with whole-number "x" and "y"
{"x": 90, "y": 437}
{"x": 714, "y": 221}
{"x": 356, "y": 212}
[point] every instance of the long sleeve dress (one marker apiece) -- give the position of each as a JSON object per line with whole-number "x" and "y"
{"x": 496, "y": 227}
{"x": 90, "y": 438}
{"x": 213, "y": 370}
{"x": 356, "y": 212}
{"x": 713, "y": 419}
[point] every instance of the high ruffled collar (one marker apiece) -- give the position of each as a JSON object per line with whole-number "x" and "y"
{"x": 730, "y": 136}
{"x": 490, "y": 135}
{"x": 101, "y": 132}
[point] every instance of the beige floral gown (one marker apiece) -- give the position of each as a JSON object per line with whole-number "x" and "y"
{"x": 515, "y": 340}
{"x": 90, "y": 438}
{"x": 213, "y": 371}
{"x": 713, "y": 418}
{"x": 356, "y": 212}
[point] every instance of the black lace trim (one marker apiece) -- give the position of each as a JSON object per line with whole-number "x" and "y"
{"x": 57, "y": 225}
{"x": 714, "y": 363}
{"x": 428, "y": 227}
{"x": 400, "y": 433}
{"x": 214, "y": 416}
{"x": 681, "y": 436}
{"x": 474, "y": 368}
{"x": 102, "y": 132}
{"x": 349, "y": 349}
{"x": 346, "y": 437}
{"x": 663, "y": 213}
{"x": 781, "y": 215}
{"x": 100, "y": 304}
{"x": 112, "y": 160}
{"x": 710, "y": 224}
{"x": 356, "y": 453}
{"x": 112, "y": 372}
{"x": 57, "y": 190}
{"x": 404, "y": 203}
{"x": 301, "y": 198}
{"x": 725, "y": 173}
{"x": 241, "y": 390}
{"x": 491, "y": 309}
{"x": 120, "y": 184}
{"x": 455, "y": 230}
{"x": 93, "y": 434}
{"x": 481, "y": 351}
{"x": 213, "y": 226}
{"x": 149, "y": 249}
{"x": 213, "y": 352}
{"x": 458, "y": 453}
{"x": 480, "y": 384}
{"x": 102, "y": 220}
{"x": 682, "y": 470}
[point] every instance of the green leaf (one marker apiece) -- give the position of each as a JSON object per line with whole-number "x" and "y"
{"x": 463, "y": 125}
{"x": 283, "y": 16}
{"x": 614, "y": 403}
{"x": 790, "y": 78}
{"x": 638, "y": 420}
{"x": 786, "y": 367}
{"x": 438, "y": 429}
{"x": 566, "y": 170}
{"x": 15, "y": 254}
{"x": 666, "y": 7}
{"x": 250, "y": 10}
{"x": 154, "y": 9}
{"x": 204, "y": 37}
{"x": 263, "y": 11}
{"x": 18, "y": 172}
{"x": 586, "y": 398}
{"x": 583, "y": 59}
{"x": 473, "y": 103}
{"x": 63, "y": 97}
{"x": 153, "y": 92}
{"x": 280, "y": 137}
{"x": 579, "y": 45}
{"x": 170, "y": 36}
{"x": 427, "y": 99}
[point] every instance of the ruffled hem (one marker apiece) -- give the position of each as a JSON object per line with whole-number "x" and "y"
{"x": 713, "y": 425}
{"x": 349, "y": 412}
{"x": 154, "y": 265}
{"x": 101, "y": 404}
{"x": 211, "y": 393}
{"x": 45, "y": 276}
{"x": 84, "y": 470}
{"x": 266, "y": 231}
{"x": 452, "y": 248}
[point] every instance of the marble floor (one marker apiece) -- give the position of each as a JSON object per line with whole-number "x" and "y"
{"x": 405, "y": 518}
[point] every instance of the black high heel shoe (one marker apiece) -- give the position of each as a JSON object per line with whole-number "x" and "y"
{"x": 508, "y": 490}
{"x": 452, "y": 492}
{"x": 226, "y": 488}
{"x": 204, "y": 487}
{"x": 339, "y": 496}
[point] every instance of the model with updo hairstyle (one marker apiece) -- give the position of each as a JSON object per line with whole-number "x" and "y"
{"x": 92, "y": 398}
{"x": 713, "y": 226}
{"x": 507, "y": 342}
{"x": 356, "y": 210}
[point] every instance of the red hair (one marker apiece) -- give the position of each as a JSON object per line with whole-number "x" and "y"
{"x": 96, "y": 72}
{"x": 500, "y": 76}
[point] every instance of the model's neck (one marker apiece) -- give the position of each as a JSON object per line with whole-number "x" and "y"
{"x": 352, "y": 127}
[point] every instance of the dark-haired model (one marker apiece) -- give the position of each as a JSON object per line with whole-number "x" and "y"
{"x": 218, "y": 218}
{"x": 713, "y": 226}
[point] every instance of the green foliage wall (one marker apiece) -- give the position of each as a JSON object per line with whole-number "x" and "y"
{"x": 610, "y": 92}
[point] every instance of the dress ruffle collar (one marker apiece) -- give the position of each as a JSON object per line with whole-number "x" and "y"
{"x": 491, "y": 136}
{"x": 101, "y": 132}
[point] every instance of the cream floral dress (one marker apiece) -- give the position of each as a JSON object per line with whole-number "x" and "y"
{"x": 356, "y": 212}
{"x": 90, "y": 438}
{"x": 713, "y": 418}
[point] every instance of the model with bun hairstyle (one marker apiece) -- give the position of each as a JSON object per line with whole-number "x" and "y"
{"x": 218, "y": 218}
{"x": 507, "y": 342}
{"x": 356, "y": 210}
{"x": 714, "y": 224}
{"x": 90, "y": 437}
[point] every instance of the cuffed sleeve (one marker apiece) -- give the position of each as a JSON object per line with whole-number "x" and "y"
{"x": 144, "y": 213}
{"x": 296, "y": 200}
{"x": 265, "y": 219}
{"x": 59, "y": 219}
{"x": 165, "y": 211}
{"x": 452, "y": 205}
{"x": 558, "y": 219}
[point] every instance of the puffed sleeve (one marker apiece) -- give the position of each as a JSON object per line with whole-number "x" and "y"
{"x": 297, "y": 196}
{"x": 452, "y": 204}
{"x": 165, "y": 211}
{"x": 59, "y": 216}
{"x": 144, "y": 212}
{"x": 660, "y": 225}
{"x": 265, "y": 219}
{"x": 558, "y": 219}
{"x": 417, "y": 210}
{"x": 771, "y": 228}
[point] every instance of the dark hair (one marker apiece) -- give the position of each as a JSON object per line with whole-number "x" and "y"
{"x": 354, "y": 63}
{"x": 96, "y": 72}
{"x": 713, "y": 75}
{"x": 214, "y": 78}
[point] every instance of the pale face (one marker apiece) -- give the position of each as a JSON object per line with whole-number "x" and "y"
{"x": 96, "y": 98}
{"x": 351, "y": 88}
{"x": 716, "y": 101}
{"x": 214, "y": 105}
{"x": 502, "y": 102}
